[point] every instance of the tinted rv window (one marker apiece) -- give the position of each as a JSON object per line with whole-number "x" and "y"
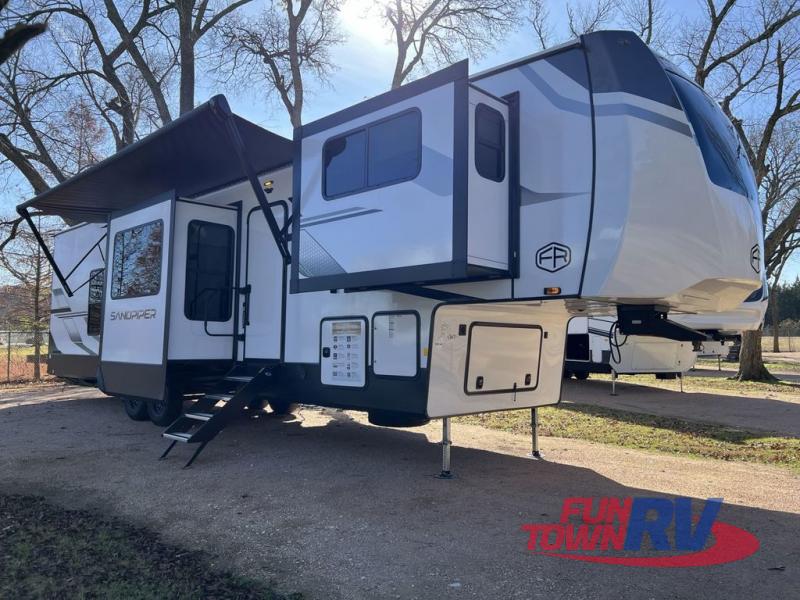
{"x": 490, "y": 143}
{"x": 382, "y": 153}
{"x": 136, "y": 267}
{"x": 94, "y": 315}
{"x": 209, "y": 272}
{"x": 394, "y": 149}
{"x": 345, "y": 164}
{"x": 723, "y": 154}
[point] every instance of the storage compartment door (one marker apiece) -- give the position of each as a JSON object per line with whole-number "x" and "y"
{"x": 133, "y": 351}
{"x": 502, "y": 358}
{"x": 382, "y": 189}
{"x": 395, "y": 344}
{"x": 488, "y": 357}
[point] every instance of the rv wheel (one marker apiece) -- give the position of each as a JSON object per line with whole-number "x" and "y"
{"x": 581, "y": 375}
{"x": 135, "y": 409}
{"x": 163, "y": 412}
{"x": 282, "y": 407}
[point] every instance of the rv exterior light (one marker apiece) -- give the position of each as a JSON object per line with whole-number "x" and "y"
{"x": 552, "y": 291}
{"x": 268, "y": 186}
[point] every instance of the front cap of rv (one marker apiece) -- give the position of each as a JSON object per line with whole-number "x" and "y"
{"x": 662, "y": 230}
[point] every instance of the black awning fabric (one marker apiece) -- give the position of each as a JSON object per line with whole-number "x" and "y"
{"x": 191, "y": 155}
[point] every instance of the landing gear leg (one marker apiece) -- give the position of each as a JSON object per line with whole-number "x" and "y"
{"x": 680, "y": 376}
{"x": 535, "y": 453}
{"x": 613, "y": 383}
{"x": 446, "y": 443}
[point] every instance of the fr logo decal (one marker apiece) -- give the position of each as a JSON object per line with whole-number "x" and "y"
{"x": 553, "y": 257}
{"x": 755, "y": 258}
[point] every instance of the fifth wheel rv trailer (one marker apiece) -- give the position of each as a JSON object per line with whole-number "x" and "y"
{"x": 417, "y": 255}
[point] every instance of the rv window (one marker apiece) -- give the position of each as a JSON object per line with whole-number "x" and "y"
{"x": 137, "y": 261}
{"x": 723, "y": 154}
{"x": 94, "y": 322}
{"x": 490, "y": 143}
{"x": 209, "y": 272}
{"x": 382, "y": 153}
{"x": 394, "y": 149}
{"x": 345, "y": 159}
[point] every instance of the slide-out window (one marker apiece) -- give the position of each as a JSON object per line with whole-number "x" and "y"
{"x": 136, "y": 265}
{"x": 379, "y": 154}
{"x": 94, "y": 324}
{"x": 490, "y": 143}
{"x": 209, "y": 272}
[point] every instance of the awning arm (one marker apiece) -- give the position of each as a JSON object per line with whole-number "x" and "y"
{"x": 239, "y": 147}
{"x": 23, "y": 212}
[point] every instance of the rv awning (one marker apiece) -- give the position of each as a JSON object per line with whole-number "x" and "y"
{"x": 197, "y": 152}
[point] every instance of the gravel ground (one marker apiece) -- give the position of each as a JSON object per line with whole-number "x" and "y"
{"x": 333, "y": 508}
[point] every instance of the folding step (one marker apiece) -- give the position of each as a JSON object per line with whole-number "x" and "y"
{"x": 178, "y": 437}
{"x": 199, "y": 416}
{"x": 207, "y": 417}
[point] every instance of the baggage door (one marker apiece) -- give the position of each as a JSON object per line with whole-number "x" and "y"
{"x": 135, "y": 311}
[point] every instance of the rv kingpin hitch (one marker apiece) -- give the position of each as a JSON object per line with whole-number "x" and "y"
{"x": 652, "y": 320}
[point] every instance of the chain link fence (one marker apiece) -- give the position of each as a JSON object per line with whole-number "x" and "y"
{"x": 18, "y": 355}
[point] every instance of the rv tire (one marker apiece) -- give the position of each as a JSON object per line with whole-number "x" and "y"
{"x": 163, "y": 412}
{"x": 581, "y": 375}
{"x": 280, "y": 406}
{"x": 135, "y": 409}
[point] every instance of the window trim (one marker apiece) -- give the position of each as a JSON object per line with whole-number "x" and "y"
{"x": 365, "y": 128}
{"x": 89, "y": 329}
{"x": 483, "y": 107}
{"x": 160, "y": 261}
{"x": 232, "y": 252}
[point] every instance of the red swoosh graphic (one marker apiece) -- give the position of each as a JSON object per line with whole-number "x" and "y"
{"x": 730, "y": 544}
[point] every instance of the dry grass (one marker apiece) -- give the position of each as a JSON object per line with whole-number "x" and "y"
{"x": 16, "y": 366}
{"x": 651, "y": 433}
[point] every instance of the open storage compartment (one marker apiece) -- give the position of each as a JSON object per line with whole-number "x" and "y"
{"x": 416, "y": 186}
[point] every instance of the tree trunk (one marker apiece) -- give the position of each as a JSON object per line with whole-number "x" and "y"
{"x": 187, "y": 41}
{"x": 751, "y": 363}
{"x": 774, "y": 316}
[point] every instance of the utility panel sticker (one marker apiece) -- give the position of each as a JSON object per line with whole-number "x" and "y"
{"x": 344, "y": 353}
{"x": 553, "y": 257}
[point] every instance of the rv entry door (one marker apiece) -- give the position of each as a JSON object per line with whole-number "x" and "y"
{"x": 133, "y": 353}
{"x": 205, "y": 282}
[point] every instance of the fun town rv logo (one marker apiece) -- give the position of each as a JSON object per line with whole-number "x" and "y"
{"x": 613, "y": 531}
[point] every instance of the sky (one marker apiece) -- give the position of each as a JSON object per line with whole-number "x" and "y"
{"x": 364, "y": 66}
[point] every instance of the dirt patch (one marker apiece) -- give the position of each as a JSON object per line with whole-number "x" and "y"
{"x": 49, "y": 552}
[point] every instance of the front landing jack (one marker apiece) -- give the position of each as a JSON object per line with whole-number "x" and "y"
{"x": 446, "y": 443}
{"x": 535, "y": 453}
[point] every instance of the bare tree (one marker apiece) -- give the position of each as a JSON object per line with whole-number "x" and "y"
{"x": 751, "y": 59}
{"x": 539, "y": 19}
{"x": 196, "y": 18}
{"x": 438, "y": 32}
{"x": 26, "y": 263}
{"x": 290, "y": 40}
{"x": 649, "y": 19}
{"x": 17, "y": 36}
{"x": 587, "y": 16}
